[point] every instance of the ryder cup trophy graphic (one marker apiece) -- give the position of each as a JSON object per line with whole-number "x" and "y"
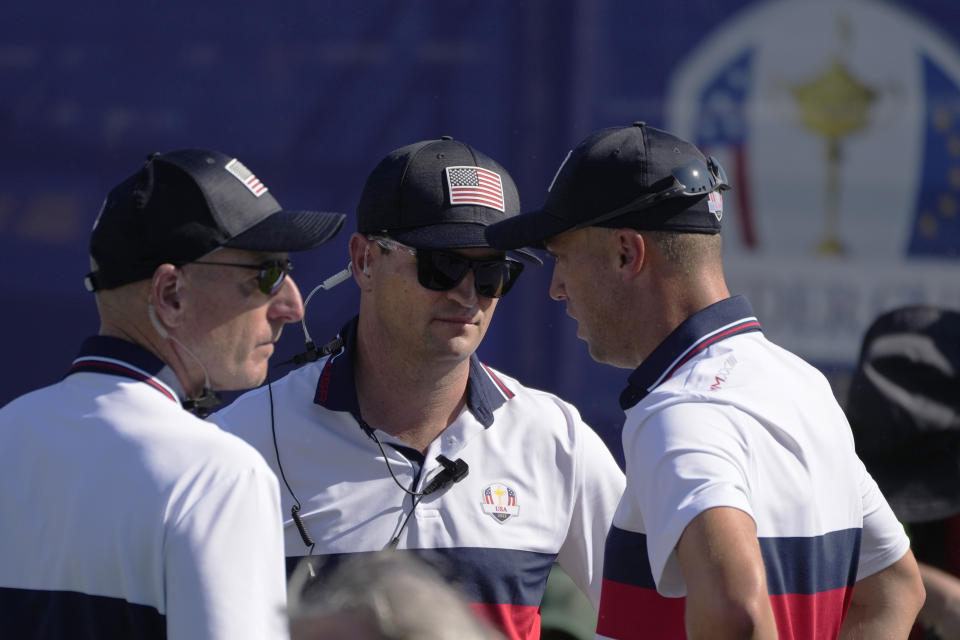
{"x": 834, "y": 105}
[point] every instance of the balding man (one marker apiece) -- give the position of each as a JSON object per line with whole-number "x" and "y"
{"x": 125, "y": 515}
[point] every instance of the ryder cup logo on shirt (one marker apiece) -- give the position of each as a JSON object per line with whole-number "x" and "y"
{"x": 474, "y": 185}
{"x": 500, "y": 501}
{"x": 244, "y": 175}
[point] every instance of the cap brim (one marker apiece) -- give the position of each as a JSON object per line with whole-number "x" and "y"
{"x": 526, "y": 230}
{"x": 456, "y": 236}
{"x": 289, "y": 231}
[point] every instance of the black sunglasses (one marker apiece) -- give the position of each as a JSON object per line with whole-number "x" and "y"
{"x": 271, "y": 276}
{"x": 440, "y": 270}
{"x": 696, "y": 178}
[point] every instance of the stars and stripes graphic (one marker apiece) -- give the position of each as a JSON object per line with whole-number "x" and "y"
{"x": 475, "y": 185}
{"x": 244, "y": 175}
{"x": 935, "y": 229}
{"x": 722, "y": 132}
{"x": 715, "y": 204}
{"x": 511, "y": 497}
{"x": 488, "y": 495}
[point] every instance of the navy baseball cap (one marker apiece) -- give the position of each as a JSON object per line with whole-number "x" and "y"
{"x": 184, "y": 204}
{"x": 635, "y": 176}
{"x": 438, "y": 194}
{"x": 904, "y": 409}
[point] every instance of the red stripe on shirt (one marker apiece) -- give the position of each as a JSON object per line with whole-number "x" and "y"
{"x": 628, "y": 612}
{"x": 109, "y": 367}
{"x": 631, "y": 613}
{"x": 706, "y": 343}
{"x": 516, "y": 622}
{"x": 819, "y": 615}
{"x": 500, "y": 384}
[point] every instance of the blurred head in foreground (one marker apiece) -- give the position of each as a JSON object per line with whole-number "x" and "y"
{"x": 381, "y": 596}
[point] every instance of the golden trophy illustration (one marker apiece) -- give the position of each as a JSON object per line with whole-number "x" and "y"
{"x": 835, "y": 105}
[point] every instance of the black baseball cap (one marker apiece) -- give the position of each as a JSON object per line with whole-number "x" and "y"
{"x": 635, "y": 176}
{"x": 904, "y": 409}
{"x": 184, "y": 204}
{"x": 438, "y": 194}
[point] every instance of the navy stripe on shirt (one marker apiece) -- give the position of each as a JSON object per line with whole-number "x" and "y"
{"x": 811, "y": 565}
{"x": 38, "y": 614}
{"x": 794, "y": 565}
{"x": 484, "y": 576}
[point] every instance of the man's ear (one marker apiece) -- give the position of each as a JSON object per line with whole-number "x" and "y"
{"x": 631, "y": 251}
{"x": 360, "y": 256}
{"x": 165, "y": 298}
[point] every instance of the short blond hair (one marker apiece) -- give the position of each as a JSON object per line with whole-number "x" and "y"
{"x": 688, "y": 252}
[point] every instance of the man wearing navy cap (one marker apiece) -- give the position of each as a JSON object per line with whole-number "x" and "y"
{"x": 402, "y": 438}
{"x": 124, "y": 515}
{"x": 747, "y": 513}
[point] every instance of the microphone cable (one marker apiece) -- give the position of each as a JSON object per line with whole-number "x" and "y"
{"x": 208, "y": 400}
{"x": 453, "y": 470}
{"x": 312, "y": 354}
{"x": 295, "y": 509}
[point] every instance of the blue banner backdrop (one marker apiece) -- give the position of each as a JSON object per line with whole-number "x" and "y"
{"x": 837, "y": 121}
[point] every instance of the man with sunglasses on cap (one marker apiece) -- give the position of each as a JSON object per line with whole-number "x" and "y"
{"x": 747, "y": 513}
{"x": 401, "y": 437}
{"x": 124, "y": 515}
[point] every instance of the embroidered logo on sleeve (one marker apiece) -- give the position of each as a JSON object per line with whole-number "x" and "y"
{"x": 721, "y": 376}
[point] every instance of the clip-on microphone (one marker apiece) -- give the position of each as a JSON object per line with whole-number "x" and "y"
{"x": 204, "y": 404}
{"x": 453, "y": 471}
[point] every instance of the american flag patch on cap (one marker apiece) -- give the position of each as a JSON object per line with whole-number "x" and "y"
{"x": 474, "y": 185}
{"x": 715, "y": 204}
{"x": 244, "y": 175}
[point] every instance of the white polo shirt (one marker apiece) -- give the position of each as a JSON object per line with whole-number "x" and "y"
{"x": 720, "y": 416}
{"x": 541, "y": 484}
{"x": 125, "y": 516}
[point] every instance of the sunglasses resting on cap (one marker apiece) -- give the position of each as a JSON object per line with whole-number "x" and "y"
{"x": 692, "y": 179}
